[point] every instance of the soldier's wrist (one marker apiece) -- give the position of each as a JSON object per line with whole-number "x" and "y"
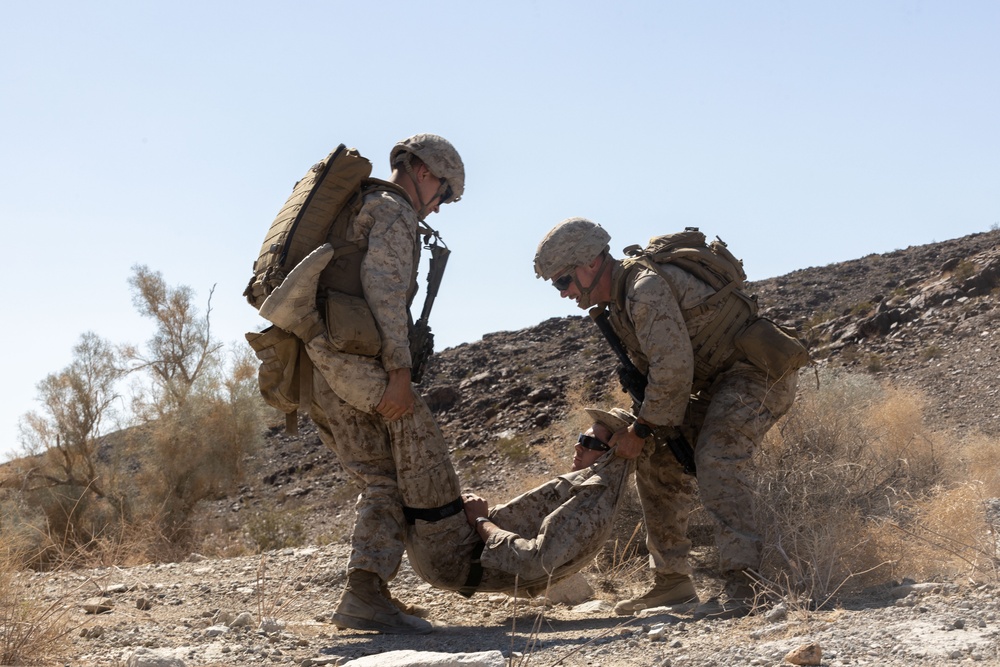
{"x": 641, "y": 430}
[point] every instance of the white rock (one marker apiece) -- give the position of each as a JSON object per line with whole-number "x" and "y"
{"x": 144, "y": 657}
{"x": 594, "y": 607}
{"x": 408, "y": 658}
{"x": 245, "y": 619}
{"x": 572, "y": 590}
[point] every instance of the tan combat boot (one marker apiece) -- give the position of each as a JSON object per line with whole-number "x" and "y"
{"x": 292, "y": 305}
{"x": 669, "y": 590}
{"x": 363, "y": 607}
{"x": 738, "y": 599}
{"x": 409, "y": 609}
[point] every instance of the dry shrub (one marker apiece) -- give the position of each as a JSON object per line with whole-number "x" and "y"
{"x": 31, "y": 631}
{"x": 277, "y": 529}
{"x": 953, "y": 532}
{"x": 621, "y": 567}
{"x": 848, "y": 457}
{"x": 979, "y": 455}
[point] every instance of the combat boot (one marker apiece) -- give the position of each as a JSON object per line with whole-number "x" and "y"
{"x": 739, "y": 599}
{"x": 410, "y": 609}
{"x": 364, "y": 607}
{"x": 292, "y": 305}
{"x": 669, "y": 590}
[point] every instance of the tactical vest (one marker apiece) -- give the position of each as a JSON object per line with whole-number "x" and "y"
{"x": 320, "y": 209}
{"x": 723, "y": 315}
{"x": 343, "y": 274}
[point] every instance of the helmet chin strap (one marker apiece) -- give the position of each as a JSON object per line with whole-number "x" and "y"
{"x": 584, "y": 301}
{"x": 421, "y": 211}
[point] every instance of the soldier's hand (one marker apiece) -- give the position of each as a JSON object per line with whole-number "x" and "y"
{"x": 628, "y": 445}
{"x": 475, "y": 507}
{"x": 397, "y": 401}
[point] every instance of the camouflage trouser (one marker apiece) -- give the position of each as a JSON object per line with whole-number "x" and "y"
{"x": 542, "y": 536}
{"x": 726, "y": 428}
{"x": 403, "y": 462}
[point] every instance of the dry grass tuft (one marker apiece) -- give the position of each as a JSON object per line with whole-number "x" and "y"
{"x": 854, "y": 489}
{"x": 31, "y": 631}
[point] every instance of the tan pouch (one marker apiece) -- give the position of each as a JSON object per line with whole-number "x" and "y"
{"x": 278, "y": 375}
{"x": 772, "y": 348}
{"x": 351, "y": 325}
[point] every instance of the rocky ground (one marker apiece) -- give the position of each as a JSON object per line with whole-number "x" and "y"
{"x": 923, "y": 317}
{"x": 274, "y": 610}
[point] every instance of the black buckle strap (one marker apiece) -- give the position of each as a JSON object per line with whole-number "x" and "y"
{"x": 475, "y": 573}
{"x": 432, "y": 513}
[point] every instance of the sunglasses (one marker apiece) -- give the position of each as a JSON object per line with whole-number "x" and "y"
{"x": 562, "y": 283}
{"x": 590, "y": 442}
{"x": 448, "y": 192}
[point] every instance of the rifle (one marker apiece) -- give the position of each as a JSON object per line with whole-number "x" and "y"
{"x": 421, "y": 338}
{"x": 634, "y": 383}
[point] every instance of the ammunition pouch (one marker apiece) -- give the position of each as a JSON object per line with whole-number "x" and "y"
{"x": 285, "y": 373}
{"x": 771, "y": 348}
{"x": 351, "y": 325}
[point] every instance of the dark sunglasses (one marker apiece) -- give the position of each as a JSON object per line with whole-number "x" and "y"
{"x": 448, "y": 192}
{"x": 562, "y": 283}
{"x": 590, "y": 442}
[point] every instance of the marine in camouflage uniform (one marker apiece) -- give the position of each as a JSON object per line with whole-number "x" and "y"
{"x": 538, "y": 538}
{"x": 370, "y": 416}
{"x": 724, "y": 416}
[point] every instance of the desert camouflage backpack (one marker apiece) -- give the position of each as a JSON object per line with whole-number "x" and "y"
{"x": 319, "y": 210}
{"x": 736, "y": 331}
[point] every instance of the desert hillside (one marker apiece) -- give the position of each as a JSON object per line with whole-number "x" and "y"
{"x": 923, "y": 317}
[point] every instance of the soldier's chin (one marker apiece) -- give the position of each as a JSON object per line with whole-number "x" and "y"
{"x": 583, "y": 302}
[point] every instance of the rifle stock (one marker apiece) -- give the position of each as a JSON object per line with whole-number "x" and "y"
{"x": 634, "y": 382}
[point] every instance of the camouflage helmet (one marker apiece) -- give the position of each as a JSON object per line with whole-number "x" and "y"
{"x": 439, "y": 156}
{"x": 573, "y": 242}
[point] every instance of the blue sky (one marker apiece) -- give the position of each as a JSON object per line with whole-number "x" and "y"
{"x": 169, "y": 134}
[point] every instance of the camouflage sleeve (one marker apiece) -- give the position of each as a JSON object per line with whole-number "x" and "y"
{"x": 663, "y": 337}
{"x": 388, "y": 271}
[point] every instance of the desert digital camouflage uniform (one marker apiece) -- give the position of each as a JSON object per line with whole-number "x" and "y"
{"x": 543, "y": 535}
{"x": 725, "y": 421}
{"x": 554, "y": 529}
{"x": 373, "y": 450}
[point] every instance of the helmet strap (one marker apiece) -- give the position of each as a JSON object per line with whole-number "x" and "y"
{"x": 585, "y": 291}
{"x": 421, "y": 213}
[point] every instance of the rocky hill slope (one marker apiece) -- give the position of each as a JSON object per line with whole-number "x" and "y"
{"x": 924, "y": 317}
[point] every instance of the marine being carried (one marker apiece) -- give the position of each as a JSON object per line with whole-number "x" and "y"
{"x": 521, "y": 546}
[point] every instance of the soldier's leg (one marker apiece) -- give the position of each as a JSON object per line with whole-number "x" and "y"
{"x": 439, "y": 540}
{"x": 667, "y": 496}
{"x": 425, "y": 500}
{"x": 362, "y": 447}
{"x": 743, "y": 407}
